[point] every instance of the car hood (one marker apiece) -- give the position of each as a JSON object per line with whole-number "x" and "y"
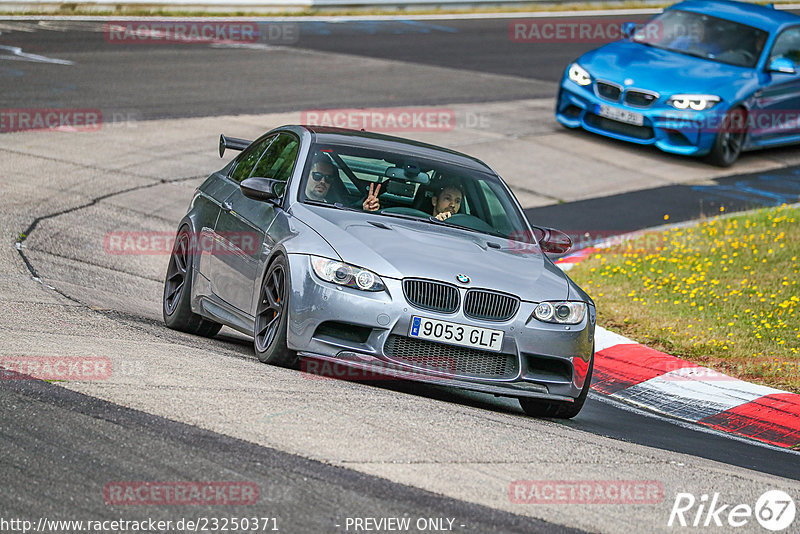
{"x": 665, "y": 72}
{"x": 400, "y": 248}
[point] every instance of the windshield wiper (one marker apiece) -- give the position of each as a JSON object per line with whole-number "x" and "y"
{"x": 696, "y": 54}
{"x": 335, "y": 205}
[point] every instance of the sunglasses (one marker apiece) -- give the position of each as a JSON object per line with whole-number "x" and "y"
{"x": 318, "y": 176}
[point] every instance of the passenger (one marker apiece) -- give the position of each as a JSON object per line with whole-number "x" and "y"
{"x": 447, "y": 200}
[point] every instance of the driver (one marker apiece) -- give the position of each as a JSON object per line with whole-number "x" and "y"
{"x": 697, "y": 38}
{"x": 319, "y": 181}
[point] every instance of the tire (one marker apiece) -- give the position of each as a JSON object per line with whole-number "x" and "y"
{"x": 269, "y": 333}
{"x": 729, "y": 140}
{"x": 175, "y": 304}
{"x": 558, "y": 410}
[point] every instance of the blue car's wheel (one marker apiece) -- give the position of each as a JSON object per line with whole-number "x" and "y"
{"x": 730, "y": 138}
{"x": 269, "y": 336}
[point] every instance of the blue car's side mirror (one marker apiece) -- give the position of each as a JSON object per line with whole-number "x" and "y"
{"x": 628, "y": 29}
{"x": 782, "y": 64}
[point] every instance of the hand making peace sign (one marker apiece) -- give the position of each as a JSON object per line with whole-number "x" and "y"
{"x": 372, "y": 203}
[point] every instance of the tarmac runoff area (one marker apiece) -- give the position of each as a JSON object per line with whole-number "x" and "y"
{"x": 68, "y": 190}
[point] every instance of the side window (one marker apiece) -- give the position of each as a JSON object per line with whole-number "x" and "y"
{"x": 279, "y": 159}
{"x": 787, "y": 45}
{"x": 249, "y": 159}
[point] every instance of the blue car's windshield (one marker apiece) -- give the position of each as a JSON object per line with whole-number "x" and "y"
{"x": 410, "y": 187}
{"x": 704, "y": 36}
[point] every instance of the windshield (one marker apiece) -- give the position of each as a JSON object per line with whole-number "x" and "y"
{"x": 704, "y": 36}
{"x": 406, "y": 186}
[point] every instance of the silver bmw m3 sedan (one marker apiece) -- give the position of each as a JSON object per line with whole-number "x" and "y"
{"x": 384, "y": 255}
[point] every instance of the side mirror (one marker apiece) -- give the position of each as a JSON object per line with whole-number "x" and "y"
{"x": 264, "y": 189}
{"x": 627, "y": 29}
{"x": 782, "y": 64}
{"x": 553, "y": 241}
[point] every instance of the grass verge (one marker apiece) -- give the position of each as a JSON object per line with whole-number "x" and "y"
{"x": 723, "y": 293}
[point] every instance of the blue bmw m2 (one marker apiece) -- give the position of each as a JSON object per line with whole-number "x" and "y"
{"x": 703, "y": 78}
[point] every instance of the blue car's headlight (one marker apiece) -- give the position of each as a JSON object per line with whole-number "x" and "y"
{"x": 579, "y": 75}
{"x": 560, "y": 312}
{"x": 693, "y": 102}
{"x": 346, "y": 275}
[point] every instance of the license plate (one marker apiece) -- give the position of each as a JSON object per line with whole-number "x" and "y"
{"x": 621, "y": 115}
{"x": 456, "y": 334}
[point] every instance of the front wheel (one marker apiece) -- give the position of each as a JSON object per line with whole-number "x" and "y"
{"x": 558, "y": 410}
{"x": 175, "y": 304}
{"x": 269, "y": 336}
{"x": 730, "y": 139}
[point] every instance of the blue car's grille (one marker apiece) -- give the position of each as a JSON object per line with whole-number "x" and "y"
{"x": 608, "y": 91}
{"x": 429, "y": 295}
{"x": 640, "y": 99}
{"x": 488, "y": 305}
{"x": 450, "y": 359}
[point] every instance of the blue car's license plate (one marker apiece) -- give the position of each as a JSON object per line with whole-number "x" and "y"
{"x": 456, "y": 334}
{"x": 621, "y": 115}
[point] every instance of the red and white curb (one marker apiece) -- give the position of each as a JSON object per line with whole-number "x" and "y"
{"x": 634, "y": 373}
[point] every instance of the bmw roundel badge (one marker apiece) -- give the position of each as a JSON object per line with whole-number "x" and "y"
{"x": 463, "y": 278}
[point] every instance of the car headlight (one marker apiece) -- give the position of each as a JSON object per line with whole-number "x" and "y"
{"x": 346, "y": 275}
{"x": 579, "y": 75}
{"x": 693, "y": 102}
{"x": 560, "y": 312}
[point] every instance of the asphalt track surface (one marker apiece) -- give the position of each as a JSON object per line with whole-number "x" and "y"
{"x": 157, "y": 81}
{"x": 41, "y": 421}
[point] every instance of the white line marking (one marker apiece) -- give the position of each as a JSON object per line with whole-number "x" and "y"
{"x": 18, "y": 55}
{"x": 604, "y": 339}
{"x": 680, "y": 394}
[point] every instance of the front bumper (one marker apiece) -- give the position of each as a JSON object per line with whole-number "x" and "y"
{"x": 368, "y": 331}
{"x": 689, "y": 133}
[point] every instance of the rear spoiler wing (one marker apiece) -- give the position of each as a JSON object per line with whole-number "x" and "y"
{"x": 231, "y": 142}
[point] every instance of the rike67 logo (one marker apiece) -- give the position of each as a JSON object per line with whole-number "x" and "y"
{"x": 774, "y": 510}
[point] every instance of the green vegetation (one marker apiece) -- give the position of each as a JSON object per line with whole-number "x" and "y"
{"x": 723, "y": 293}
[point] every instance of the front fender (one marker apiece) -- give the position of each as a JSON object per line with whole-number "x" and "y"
{"x": 289, "y": 236}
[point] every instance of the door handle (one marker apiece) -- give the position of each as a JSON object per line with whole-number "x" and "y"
{"x": 227, "y": 206}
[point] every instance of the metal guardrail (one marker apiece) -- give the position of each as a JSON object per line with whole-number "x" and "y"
{"x": 229, "y": 6}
